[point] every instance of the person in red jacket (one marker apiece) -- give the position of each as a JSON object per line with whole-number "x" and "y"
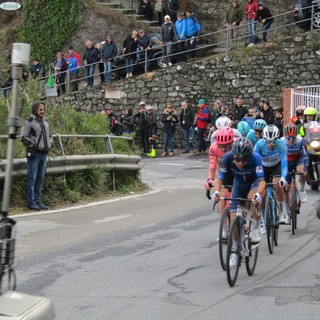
{"x": 202, "y": 120}
{"x": 251, "y": 13}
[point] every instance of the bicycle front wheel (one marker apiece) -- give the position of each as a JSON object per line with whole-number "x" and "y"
{"x": 269, "y": 225}
{"x": 223, "y": 236}
{"x": 234, "y": 250}
{"x": 251, "y": 259}
{"x": 293, "y": 203}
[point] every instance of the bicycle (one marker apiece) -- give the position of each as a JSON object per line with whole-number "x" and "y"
{"x": 294, "y": 200}
{"x": 8, "y": 278}
{"x": 271, "y": 217}
{"x": 242, "y": 228}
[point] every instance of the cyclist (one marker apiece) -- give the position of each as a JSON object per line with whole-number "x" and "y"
{"x": 224, "y": 121}
{"x": 224, "y": 138}
{"x": 256, "y": 134}
{"x": 297, "y": 157}
{"x": 243, "y": 127}
{"x": 275, "y": 163}
{"x": 248, "y": 181}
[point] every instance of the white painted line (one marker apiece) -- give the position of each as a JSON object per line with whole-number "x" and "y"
{"x": 114, "y": 218}
{"x": 87, "y": 205}
{"x": 171, "y": 164}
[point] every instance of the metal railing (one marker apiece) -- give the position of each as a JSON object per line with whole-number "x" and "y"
{"x": 308, "y": 96}
{"x": 207, "y": 43}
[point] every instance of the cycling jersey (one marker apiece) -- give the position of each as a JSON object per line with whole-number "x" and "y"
{"x": 251, "y": 135}
{"x": 297, "y": 152}
{"x": 251, "y": 172}
{"x": 270, "y": 158}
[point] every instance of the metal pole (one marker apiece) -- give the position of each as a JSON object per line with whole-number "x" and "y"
{"x": 312, "y": 12}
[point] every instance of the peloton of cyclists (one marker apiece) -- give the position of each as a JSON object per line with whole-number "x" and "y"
{"x": 248, "y": 181}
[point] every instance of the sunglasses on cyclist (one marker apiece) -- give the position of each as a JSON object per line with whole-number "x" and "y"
{"x": 291, "y": 138}
{"x": 223, "y": 146}
{"x": 271, "y": 142}
{"x": 243, "y": 159}
{"x": 257, "y": 130}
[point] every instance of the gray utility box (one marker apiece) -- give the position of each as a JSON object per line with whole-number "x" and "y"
{"x": 19, "y": 306}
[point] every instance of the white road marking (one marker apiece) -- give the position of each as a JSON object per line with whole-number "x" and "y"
{"x": 171, "y": 164}
{"x": 114, "y": 218}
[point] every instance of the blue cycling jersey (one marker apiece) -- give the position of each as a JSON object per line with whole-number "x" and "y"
{"x": 297, "y": 152}
{"x": 251, "y": 135}
{"x": 252, "y": 170}
{"x": 270, "y": 158}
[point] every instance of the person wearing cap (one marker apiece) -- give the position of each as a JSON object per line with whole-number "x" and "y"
{"x": 193, "y": 31}
{"x": 170, "y": 8}
{"x": 152, "y": 131}
{"x": 168, "y": 35}
{"x": 169, "y": 120}
{"x": 108, "y": 53}
{"x": 37, "y": 68}
{"x": 60, "y": 67}
{"x": 141, "y": 119}
{"x": 202, "y": 121}
{"x": 181, "y": 27}
{"x": 90, "y": 57}
{"x": 265, "y": 17}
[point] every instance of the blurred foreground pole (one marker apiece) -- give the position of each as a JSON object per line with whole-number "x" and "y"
{"x": 16, "y": 305}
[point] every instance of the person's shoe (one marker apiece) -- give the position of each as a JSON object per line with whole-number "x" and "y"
{"x": 164, "y": 65}
{"x": 171, "y": 154}
{"x": 233, "y": 261}
{"x": 127, "y": 75}
{"x": 185, "y": 151}
{"x": 42, "y": 206}
{"x": 153, "y": 153}
{"x": 130, "y": 75}
{"x": 34, "y": 207}
{"x": 263, "y": 227}
{"x": 256, "y": 236}
{"x": 288, "y": 219}
{"x": 164, "y": 154}
{"x": 250, "y": 44}
{"x": 170, "y": 64}
{"x": 282, "y": 219}
{"x": 303, "y": 196}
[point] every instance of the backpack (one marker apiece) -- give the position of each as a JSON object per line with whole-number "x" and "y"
{"x": 197, "y": 21}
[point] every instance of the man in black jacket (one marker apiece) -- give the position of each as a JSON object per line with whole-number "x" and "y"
{"x": 90, "y": 57}
{"x": 145, "y": 44}
{"x": 239, "y": 110}
{"x": 170, "y": 8}
{"x": 186, "y": 122}
{"x": 168, "y": 35}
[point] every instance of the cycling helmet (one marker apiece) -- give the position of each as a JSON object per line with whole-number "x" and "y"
{"x": 242, "y": 147}
{"x": 223, "y": 121}
{"x": 290, "y": 130}
{"x": 310, "y": 111}
{"x": 270, "y": 132}
{"x": 259, "y": 124}
{"x": 224, "y": 135}
{"x": 243, "y": 127}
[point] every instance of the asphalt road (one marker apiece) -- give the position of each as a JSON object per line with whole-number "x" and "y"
{"x": 154, "y": 256}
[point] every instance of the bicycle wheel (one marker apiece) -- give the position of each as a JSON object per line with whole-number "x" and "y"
{"x": 223, "y": 240}
{"x": 232, "y": 271}
{"x": 269, "y": 225}
{"x": 276, "y": 223}
{"x": 292, "y": 208}
{"x": 251, "y": 259}
{"x": 8, "y": 280}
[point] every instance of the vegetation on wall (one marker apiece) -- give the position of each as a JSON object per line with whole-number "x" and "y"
{"x": 47, "y": 24}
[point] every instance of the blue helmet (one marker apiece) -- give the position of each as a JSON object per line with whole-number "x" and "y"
{"x": 243, "y": 127}
{"x": 259, "y": 124}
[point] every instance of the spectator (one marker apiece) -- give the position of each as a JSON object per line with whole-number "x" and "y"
{"x": 193, "y": 31}
{"x": 265, "y": 17}
{"x": 169, "y": 120}
{"x": 141, "y": 118}
{"x": 239, "y": 110}
{"x": 145, "y": 44}
{"x": 170, "y": 8}
{"x": 202, "y": 120}
{"x": 215, "y": 114}
{"x": 152, "y": 132}
{"x": 278, "y": 120}
{"x": 60, "y": 66}
{"x": 250, "y": 117}
{"x": 108, "y": 53}
{"x": 73, "y": 68}
{"x": 186, "y": 123}
{"x": 145, "y": 9}
{"x": 35, "y": 135}
{"x": 251, "y": 9}
{"x": 181, "y": 27}
{"x": 267, "y": 114}
{"x": 233, "y": 18}
{"x": 98, "y": 46}
{"x": 168, "y": 35}
{"x": 297, "y": 119}
{"x": 127, "y": 121}
{"x": 158, "y": 9}
{"x": 72, "y": 52}
{"x": 90, "y": 57}
{"x": 130, "y": 45}
{"x": 37, "y": 68}
{"x": 112, "y": 120}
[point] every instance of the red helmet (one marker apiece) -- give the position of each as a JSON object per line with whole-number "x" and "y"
{"x": 290, "y": 130}
{"x": 224, "y": 135}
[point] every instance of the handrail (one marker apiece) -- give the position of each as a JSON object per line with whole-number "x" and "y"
{"x": 208, "y": 36}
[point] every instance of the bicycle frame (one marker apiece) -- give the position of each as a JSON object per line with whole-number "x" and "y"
{"x": 270, "y": 195}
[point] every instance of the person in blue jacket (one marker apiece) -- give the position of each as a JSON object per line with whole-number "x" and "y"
{"x": 193, "y": 31}
{"x": 181, "y": 28}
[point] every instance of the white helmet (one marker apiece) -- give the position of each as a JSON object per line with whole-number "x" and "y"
{"x": 270, "y": 132}
{"x": 223, "y": 121}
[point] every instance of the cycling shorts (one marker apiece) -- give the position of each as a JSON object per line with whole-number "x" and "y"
{"x": 292, "y": 165}
{"x": 271, "y": 172}
{"x": 241, "y": 191}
